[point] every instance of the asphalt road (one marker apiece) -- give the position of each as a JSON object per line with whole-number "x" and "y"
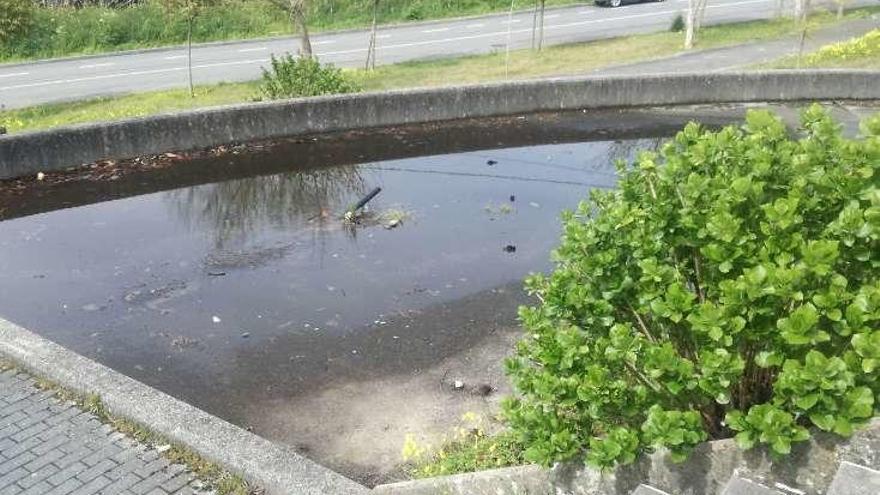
{"x": 76, "y": 78}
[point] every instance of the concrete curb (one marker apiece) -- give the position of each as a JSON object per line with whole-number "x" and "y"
{"x": 28, "y": 153}
{"x": 810, "y": 468}
{"x": 277, "y": 469}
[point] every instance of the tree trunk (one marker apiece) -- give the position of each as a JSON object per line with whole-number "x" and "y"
{"x": 840, "y": 9}
{"x": 701, "y": 13}
{"x": 298, "y": 14}
{"x": 804, "y": 9}
{"x": 780, "y": 5}
{"x": 371, "y": 49}
{"x": 534, "y": 25}
{"x": 507, "y": 48}
{"x": 690, "y": 24}
{"x": 189, "y": 55}
{"x": 541, "y": 26}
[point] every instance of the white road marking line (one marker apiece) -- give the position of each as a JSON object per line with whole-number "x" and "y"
{"x": 554, "y": 16}
{"x": 360, "y": 50}
{"x": 383, "y": 36}
{"x": 14, "y": 74}
{"x": 95, "y": 66}
{"x": 511, "y": 21}
{"x": 529, "y": 30}
{"x": 438, "y": 30}
{"x": 475, "y": 26}
{"x": 132, "y": 73}
{"x": 174, "y": 57}
{"x": 323, "y": 42}
{"x": 257, "y": 49}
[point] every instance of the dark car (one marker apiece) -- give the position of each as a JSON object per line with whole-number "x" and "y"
{"x": 618, "y": 3}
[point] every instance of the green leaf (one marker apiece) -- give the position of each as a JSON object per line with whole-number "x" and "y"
{"x": 744, "y": 440}
{"x": 823, "y": 421}
{"x": 807, "y": 401}
{"x": 766, "y": 359}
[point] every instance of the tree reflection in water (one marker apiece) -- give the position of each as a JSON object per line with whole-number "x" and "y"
{"x": 234, "y": 211}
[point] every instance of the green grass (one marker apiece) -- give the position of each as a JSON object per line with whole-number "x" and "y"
{"x": 857, "y": 53}
{"x": 70, "y": 31}
{"x": 120, "y": 107}
{"x": 473, "y": 451}
{"x": 468, "y": 447}
{"x": 556, "y": 60}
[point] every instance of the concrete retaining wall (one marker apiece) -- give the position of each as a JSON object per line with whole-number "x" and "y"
{"x": 28, "y": 153}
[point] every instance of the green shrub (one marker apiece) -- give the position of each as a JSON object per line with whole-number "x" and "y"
{"x": 291, "y": 77}
{"x": 677, "y": 25}
{"x": 728, "y": 287}
{"x": 16, "y": 18}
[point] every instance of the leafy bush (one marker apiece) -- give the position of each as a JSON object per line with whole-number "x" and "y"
{"x": 677, "y": 25}
{"x": 729, "y": 286}
{"x": 292, "y": 77}
{"x": 863, "y": 46}
{"x": 16, "y": 19}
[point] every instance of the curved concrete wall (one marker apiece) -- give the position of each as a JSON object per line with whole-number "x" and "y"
{"x": 28, "y": 153}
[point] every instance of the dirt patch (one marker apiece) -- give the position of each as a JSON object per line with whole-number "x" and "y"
{"x": 358, "y": 428}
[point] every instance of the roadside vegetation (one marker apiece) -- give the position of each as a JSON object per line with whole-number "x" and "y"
{"x": 467, "y": 448}
{"x": 858, "y": 53}
{"x": 551, "y": 61}
{"x": 291, "y": 77}
{"x": 58, "y": 31}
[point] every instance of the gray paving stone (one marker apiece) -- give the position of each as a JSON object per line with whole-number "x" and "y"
{"x": 50, "y": 447}
{"x": 38, "y": 489}
{"x": 853, "y": 479}
{"x": 742, "y": 486}
{"x": 647, "y": 490}
{"x": 65, "y": 474}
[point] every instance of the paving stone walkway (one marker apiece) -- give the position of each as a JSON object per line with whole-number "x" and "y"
{"x": 50, "y": 447}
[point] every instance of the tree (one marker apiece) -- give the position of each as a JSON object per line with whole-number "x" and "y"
{"x": 693, "y": 21}
{"x": 188, "y": 9}
{"x": 298, "y": 10}
{"x": 371, "y": 49}
{"x": 538, "y": 25}
{"x": 780, "y": 6}
{"x": 802, "y": 11}
{"x": 841, "y": 4}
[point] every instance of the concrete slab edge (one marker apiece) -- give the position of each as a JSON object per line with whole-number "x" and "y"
{"x": 31, "y": 152}
{"x": 277, "y": 469}
{"x": 521, "y": 480}
{"x": 812, "y": 465}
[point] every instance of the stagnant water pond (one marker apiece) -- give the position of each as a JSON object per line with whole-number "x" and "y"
{"x": 249, "y": 297}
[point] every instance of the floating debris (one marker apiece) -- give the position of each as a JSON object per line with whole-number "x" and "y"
{"x": 216, "y": 319}
{"x": 510, "y": 248}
